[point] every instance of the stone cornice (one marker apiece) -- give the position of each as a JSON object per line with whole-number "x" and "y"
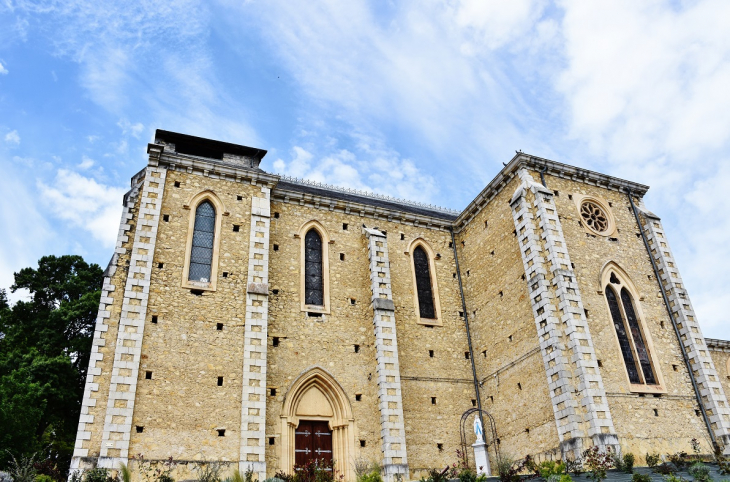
{"x": 549, "y": 167}
{"x": 717, "y": 345}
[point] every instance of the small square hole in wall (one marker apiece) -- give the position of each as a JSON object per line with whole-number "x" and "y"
{"x": 225, "y": 274}
{"x": 239, "y": 198}
{"x": 697, "y": 412}
{"x": 600, "y": 363}
{"x": 610, "y": 204}
{"x": 468, "y": 272}
{"x": 344, "y": 226}
{"x": 312, "y": 314}
{"x": 440, "y": 447}
{"x": 519, "y": 386}
{"x": 466, "y": 355}
{"x": 160, "y": 265}
{"x": 402, "y": 237}
{"x": 492, "y": 253}
{"x": 358, "y": 397}
{"x": 527, "y": 431}
{"x": 491, "y": 398}
{"x": 177, "y": 183}
{"x": 166, "y": 217}
{"x": 139, "y": 429}
{"x": 586, "y": 312}
{"x": 430, "y": 353}
{"x": 276, "y": 247}
{"x": 486, "y": 224}
{"x": 454, "y": 275}
{"x": 661, "y": 324}
{"x": 657, "y": 395}
{"x": 275, "y": 341}
{"x": 461, "y": 314}
{"x": 275, "y": 292}
{"x": 342, "y": 256}
{"x": 148, "y": 375}
{"x": 196, "y": 292}
{"x": 523, "y": 276}
{"x": 473, "y": 402}
{"x": 514, "y": 232}
{"x": 572, "y": 265}
{"x": 221, "y": 432}
{"x": 271, "y": 440}
{"x": 219, "y": 326}
{"x": 570, "y": 196}
{"x": 509, "y": 338}
{"x": 353, "y": 301}
{"x": 236, "y": 228}
{"x": 656, "y": 412}
{"x": 463, "y": 243}
{"x": 362, "y": 443}
{"x": 154, "y": 319}
{"x": 675, "y": 368}
{"x": 357, "y": 348}
{"x": 220, "y": 381}
{"x": 433, "y": 400}
{"x": 451, "y": 245}
{"x": 501, "y": 294}
{"x": 276, "y": 215}
{"x": 272, "y": 392}
{"x": 557, "y": 193}
{"x": 484, "y": 353}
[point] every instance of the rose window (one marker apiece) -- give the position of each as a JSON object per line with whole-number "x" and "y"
{"x": 594, "y": 216}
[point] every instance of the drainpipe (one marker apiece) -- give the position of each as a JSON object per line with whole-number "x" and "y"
{"x": 674, "y": 322}
{"x": 468, "y": 333}
{"x": 542, "y": 175}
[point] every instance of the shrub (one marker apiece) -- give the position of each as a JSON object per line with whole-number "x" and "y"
{"x": 467, "y": 475}
{"x": 509, "y": 469}
{"x": 700, "y": 472}
{"x": 550, "y": 467}
{"x": 124, "y": 472}
{"x": 566, "y": 478}
{"x": 43, "y": 478}
{"x": 625, "y": 463}
{"x": 371, "y": 477}
{"x": 574, "y": 466}
{"x": 667, "y": 468}
{"x": 674, "y": 478}
{"x": 281, "y": 475}
{"x": 98, "y": 474}
{"x": 208, "y": 471}
{"x": 22, "y": 469}
{"x": 640, "y": 478}
{"x": 680, "y": 459}
{"x": 157, "y": 471}
{"x": 274, "y": 479}
{"x": 652, "y": 460}
{"x": 598, "y": 463}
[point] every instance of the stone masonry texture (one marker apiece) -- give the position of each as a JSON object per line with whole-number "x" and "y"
{"x": 225, "y": 369}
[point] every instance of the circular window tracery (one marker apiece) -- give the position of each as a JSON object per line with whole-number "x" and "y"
{"x": 594, "y": 216}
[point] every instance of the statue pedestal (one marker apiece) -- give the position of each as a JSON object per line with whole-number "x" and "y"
{"x": 481, "y": 458}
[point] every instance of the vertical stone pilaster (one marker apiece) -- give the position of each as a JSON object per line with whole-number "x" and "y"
{"x": 125, "y": 371}
{"x": 713, "y": 397}
{"x": 576, "y": 387}
{"x": 108, "y": 294}
{"x": 392, "y": 424}
{"x": 253, "y": 398}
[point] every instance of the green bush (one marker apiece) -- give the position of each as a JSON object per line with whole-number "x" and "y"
{"x": 43, "y": 478}
{"x": 628, "y": 463}
{"x": 97, "y": 475}
{"x": 550, "y": 467}
{"x": 652, "y": 460}
{"x": 641, "y": 478}
{"x": 373, "y": 476}
{"x": 700, "y": 472}
{"x": 467, "y": 475}
{"x": 566, "y": 478}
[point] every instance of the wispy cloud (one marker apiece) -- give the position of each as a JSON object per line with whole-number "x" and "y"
{"x": 84, "y": 203}
{"x": 3, "y": 70}
{"x": 13, "y": 138}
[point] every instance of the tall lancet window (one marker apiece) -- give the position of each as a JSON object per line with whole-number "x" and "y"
{"x": 632, "y": 338}
{"x": 313, "y": 272}
{"x": 201, "y": 254}
{"x": 623, "y": 339}
{"x": 423, "y": 283}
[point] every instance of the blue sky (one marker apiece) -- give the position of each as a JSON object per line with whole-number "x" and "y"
{"x": 417, "y": 99}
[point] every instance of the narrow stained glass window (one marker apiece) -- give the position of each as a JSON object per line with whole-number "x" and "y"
{"x": 623, "y": 338}
{"x": 313, "y": 278}
{"x": 641, "y": 351}
{"x": 423, "y": 283}
{"x": 201, "y": 255}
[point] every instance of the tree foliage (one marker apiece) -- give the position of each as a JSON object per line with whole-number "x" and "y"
{"x": 45, "y": 342}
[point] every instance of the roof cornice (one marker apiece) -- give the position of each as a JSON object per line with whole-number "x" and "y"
{"x": 552, "y": 168}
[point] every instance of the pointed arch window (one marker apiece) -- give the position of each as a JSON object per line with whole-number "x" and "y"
{"x": 313, "y": 269}
{"x": 423, "y": 283}
{"x": 630, "y": 332}
{"x": 201, "y": 254}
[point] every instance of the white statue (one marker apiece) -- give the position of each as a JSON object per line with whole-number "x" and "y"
{"x": 478, "y": 430}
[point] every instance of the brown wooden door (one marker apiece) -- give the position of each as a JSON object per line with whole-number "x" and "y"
{"x": 312, "y": 441}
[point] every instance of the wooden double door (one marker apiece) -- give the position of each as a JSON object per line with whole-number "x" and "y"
{"x": 312, "y": 441}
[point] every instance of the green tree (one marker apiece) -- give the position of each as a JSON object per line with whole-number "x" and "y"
{"x": 45, "y": 344}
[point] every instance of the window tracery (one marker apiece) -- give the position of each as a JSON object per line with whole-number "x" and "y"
{"x": 313, "y": 272}
{"x": 594, "y": 216}
{"x": 201, "y": 254}
{"x": 423, "y": 283}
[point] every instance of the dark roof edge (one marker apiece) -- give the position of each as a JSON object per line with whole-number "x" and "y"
{"x": 230, "y": 148}
{"x": 552, "y": 168}
{"x": 715, "y": 343}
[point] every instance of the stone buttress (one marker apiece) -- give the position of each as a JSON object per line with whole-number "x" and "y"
{"x": 125, "y": 371}
{"x": 575, "y": 385}
{"x": 253, "y": 398}
{"x": 703, "y": 368}
{"x": 386, "y": 345}
{"x": 108, "y": 294}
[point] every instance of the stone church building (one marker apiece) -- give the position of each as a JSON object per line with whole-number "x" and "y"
{"x": 266, "y": 321}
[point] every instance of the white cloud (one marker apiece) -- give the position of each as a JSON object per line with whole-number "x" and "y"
{"x": 86, "y": 163}
{"x": 3, "y": 70}
{"x": 12, "y": 137}
{"x": 84, "y": 203}
{"x": 129, "y": 128}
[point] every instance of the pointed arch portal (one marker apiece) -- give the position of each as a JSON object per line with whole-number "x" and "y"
{"x": 315, "y": 399}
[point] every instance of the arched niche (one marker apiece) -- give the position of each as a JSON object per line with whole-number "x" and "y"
{"x": 316, "y": 395}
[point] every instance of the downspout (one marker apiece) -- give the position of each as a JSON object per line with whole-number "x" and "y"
{"x": 468, "y": 333}
{"x": 542, "y": 175}
{"x": 671, "y": 317}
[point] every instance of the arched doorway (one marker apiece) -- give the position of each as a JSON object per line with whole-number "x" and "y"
{"x": 317, "y": 404}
